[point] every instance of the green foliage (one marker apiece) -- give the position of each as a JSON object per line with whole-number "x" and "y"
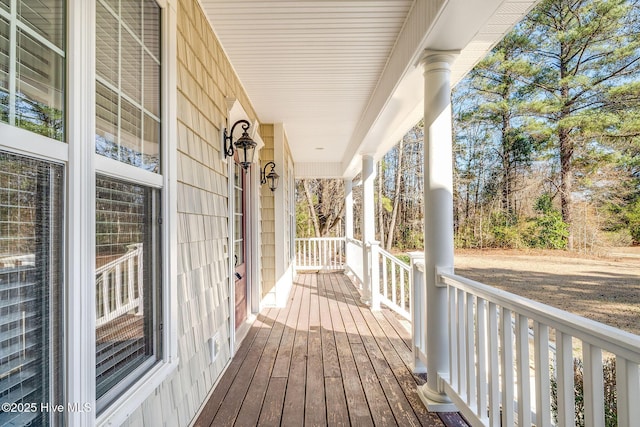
{"x": 549, "y": 230}
{"x": 610, "y": 396}
{"x": 632, "y": 216}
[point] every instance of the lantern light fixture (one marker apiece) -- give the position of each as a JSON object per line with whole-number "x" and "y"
{"x": 272, "y": 177}
{"x": 244, "y": 145}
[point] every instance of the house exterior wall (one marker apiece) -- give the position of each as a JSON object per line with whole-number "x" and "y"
{"x": 205, "y": 79}
{"x": 267, "y": 220}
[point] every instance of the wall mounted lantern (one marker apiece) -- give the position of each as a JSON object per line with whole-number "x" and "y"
{"x": 245, "y": 145}
{"x": 272, "y": 177}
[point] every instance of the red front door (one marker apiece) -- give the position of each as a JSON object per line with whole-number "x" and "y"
{"x": 240, "y": 245}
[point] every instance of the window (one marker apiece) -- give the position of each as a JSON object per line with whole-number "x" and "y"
{"x": 32, "y": 64}
{"x": 30, "y": 286}
{"x": 128, "y": 251}
{"x": 128, "y": 82}
{"x": 127, "y": 309}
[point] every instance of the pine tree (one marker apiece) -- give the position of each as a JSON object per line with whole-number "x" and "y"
{"x": 587, "y": 50}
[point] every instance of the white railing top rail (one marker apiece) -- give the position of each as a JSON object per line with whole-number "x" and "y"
{"x": 606, "y": 337}
{"x": 354, "y": 241}
{"x": 320, "y": 239}
{"x": 134, "y": 250}
{"x": 394, "y": 259}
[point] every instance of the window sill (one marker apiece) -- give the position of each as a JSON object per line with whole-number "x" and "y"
{"x": 118, "y": 412}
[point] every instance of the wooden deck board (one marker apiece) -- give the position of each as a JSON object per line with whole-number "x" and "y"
{"x": 325, "y": 359}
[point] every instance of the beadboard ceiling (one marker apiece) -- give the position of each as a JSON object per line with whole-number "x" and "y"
{"x": 342, "y": 75}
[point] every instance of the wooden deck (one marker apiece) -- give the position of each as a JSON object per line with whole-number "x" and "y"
{"x": 325, "y": 359}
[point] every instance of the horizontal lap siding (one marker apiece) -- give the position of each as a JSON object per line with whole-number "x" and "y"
{"x": 205, "y": 79}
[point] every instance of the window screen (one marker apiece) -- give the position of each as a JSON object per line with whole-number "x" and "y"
{"x": 30, "y": 286}
{"x": 127, "y": 282}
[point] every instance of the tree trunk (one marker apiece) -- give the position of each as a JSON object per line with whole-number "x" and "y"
{"x": 396, "y": 196}
{"x": 380, "y": 204}
{"x": 312, "y": 208}
{"x": 566, "y": 181}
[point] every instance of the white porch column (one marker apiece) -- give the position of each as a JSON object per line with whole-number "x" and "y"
{"x": 438, "y": 227}
{"x": 368, "y": 227}
{"x": 348, "y": 208}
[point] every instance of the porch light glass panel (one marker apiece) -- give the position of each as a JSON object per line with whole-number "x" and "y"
{"x": 127, "y": 282}
{"x": 128, "y": 82}
{"x": 31, "y": 224}
{"x": 32, "y": 66}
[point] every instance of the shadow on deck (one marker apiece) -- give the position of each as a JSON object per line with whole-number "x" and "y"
{"x": 325, "y": 359}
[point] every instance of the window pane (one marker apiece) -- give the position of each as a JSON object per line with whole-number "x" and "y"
{"x": 106, "y": 121}
{"x": 4, "y": 4}
{"x": 151, "y": 150}
{"x": 30, "y": 285}
{"x": 131, "y": 67}
{"x": 40, "y": 88}
{"x": 126, "y": 283}
{"x": 107, "y": 52}
{"x": 132, "y": 16}
{"x": 151, "y": 81}
{"x": 131, "y": 133}
{"x": 151, "y": 28}
{"x": 136, "y": 137}
{"x": 46, "y": 17}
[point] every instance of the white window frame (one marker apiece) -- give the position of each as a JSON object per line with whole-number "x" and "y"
{"x": 81, "y": 166}
{"x": 22, "y": 142}
{"x": 84, "y": 165}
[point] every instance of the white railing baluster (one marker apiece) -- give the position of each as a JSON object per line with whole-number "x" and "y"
{"x": 403, "y": 304}
{"x": 453, "y": 337}
{"x": 131, "y": 279}
{"x": 494, "y": 367}
{"x": 394, "y": 289}
{"x": 118, "y": 286}
{"x": 628, "y": 392}
{"x": 522, "y": 363}
{"x": 564, "y": 379}
{"x": 469, "y": 326}
{"x": 593, "y": 385}
{"x": 481, "y": 357}
{"x": 385, "y": 280}
{"x": 506, "y": 367}
{"x": 543, "y": 384}
{"x": 462, "y": 345}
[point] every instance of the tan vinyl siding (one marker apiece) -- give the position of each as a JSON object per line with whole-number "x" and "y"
{"x": 267, "y": 220}
{"x": 205, "y": 78}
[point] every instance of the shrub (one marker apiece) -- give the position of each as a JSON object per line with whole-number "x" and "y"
{"x": 610, "y": 408}
{"x": 549, "y": 230}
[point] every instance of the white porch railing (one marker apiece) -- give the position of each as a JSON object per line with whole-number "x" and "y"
{"x": 500, "y": 369}
{"x": 353, "y": 265}
{"x": 345, "y": 253}
{"x": 505, "y": 351}
{"x": 320, "y": 253}
{"x": 395, "y": 284}
{"x": 119, "y": 286}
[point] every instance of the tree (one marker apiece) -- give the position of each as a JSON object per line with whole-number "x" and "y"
{"x": 586, "y": 51}
{"x": 501, "y": 102}
{"x": 325, "y": 201}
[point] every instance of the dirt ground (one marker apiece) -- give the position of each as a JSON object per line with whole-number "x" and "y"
{"x": 604, "y": 288}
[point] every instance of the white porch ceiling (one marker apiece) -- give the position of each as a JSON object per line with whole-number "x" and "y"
{"x": 342, "y": 76}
